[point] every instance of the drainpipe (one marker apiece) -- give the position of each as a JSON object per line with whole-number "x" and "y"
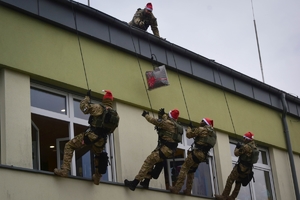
{"x": 289, "y": 147}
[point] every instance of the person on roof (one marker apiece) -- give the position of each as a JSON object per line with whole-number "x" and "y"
{"x": 143, "y": 18}
{"x": 170, "y": 134}
{"x": 204, "y": 139}
{"x": 103, "y": 121}
{"x": 242, "y": 172}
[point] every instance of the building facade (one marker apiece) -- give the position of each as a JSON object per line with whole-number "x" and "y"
{"x": 52, "y": 51}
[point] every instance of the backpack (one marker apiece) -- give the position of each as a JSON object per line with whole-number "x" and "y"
{"x": 108, "y": 120}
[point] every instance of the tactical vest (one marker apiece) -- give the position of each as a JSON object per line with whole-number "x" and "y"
{"x": 109, "y": 119}
{"x": 177, "y": 136}
{"x": 250, "y": 159}
{"x": 210, "y": 139}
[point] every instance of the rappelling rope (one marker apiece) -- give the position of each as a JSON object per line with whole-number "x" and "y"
{"x": 82, "y": 59}
{"x": 181, "y": 86}
{"x": 227, "y": 102}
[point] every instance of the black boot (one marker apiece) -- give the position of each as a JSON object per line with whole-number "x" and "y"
{"x": 145, "y": 183}
{"x": 131, "y": 184}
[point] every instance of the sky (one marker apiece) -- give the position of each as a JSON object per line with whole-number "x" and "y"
{"x": 223, "y": 30}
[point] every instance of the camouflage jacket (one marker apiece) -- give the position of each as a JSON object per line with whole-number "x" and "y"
{"x": 165, "y": 124}
{"x": 202, "y": 135}
{"x": 246, "y": 149}
{"x": 142, "y": 21}
{"x": 88, "y": 108}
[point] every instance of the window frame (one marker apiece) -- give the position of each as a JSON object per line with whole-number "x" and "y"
{"x": 70, "y": 118}
{"x": 257, "y": 166}
{"x": 212, "y": 164}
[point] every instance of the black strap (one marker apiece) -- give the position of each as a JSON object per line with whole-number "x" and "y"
{"x": 170, "y": 145}
{"x": 100, "y": 132}
{"x": 195, "y": 159}
{"x": 204, "y": 148}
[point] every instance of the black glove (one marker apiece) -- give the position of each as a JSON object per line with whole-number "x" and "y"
{"x": 238, "y": 145}
{"x": 161, "y": 112}
{"x": 88, "y": 93}
{"x": 145, "y": 113}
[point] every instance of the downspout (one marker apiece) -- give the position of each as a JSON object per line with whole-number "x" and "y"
{"x": 289, "y": 147}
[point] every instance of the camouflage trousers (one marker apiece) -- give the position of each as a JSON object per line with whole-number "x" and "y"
{"x": 189, "y": 164}
{"x": 151, "y": 160}
{"x": 236, "y": 177}
{"x": 76, "y": 143}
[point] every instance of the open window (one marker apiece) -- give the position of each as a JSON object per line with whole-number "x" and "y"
{"x": 56, "y": 118}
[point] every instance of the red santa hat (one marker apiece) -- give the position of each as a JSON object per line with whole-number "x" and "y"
{"x": 149, "y": 6}
{"x": 208, "y": 121}
{"x": 174, "y": 114}
{"x": 108, "y": 95}
{"x": 249, "y": 136}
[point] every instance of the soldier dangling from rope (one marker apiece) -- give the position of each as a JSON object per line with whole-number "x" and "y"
{"x": 103, "y": 121}
{"x": 170, "y": 134}
{"x": 204, "y": 139}
{"x": 242, "y": 172}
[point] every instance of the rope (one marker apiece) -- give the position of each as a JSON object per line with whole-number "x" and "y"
{"x": 181, "y": 86}
{"x": 138, "y": 60}
{"x": 74, "y": 15}
{"x": 227, "y": 103}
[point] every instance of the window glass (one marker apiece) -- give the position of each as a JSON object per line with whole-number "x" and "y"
{"x": 48, "y": 101}
{"x": 189, "y": 141}
{"x": 262, "y": 158}
{"x": 77, "y": 112}
{"x": 262, "y": 185}
{"x": 232, "y": 147}
{"x": 50, "y": 133}
{"x": 202, "y": 181}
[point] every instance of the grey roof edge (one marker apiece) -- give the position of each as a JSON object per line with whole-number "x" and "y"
{"x": 266, "y": 94}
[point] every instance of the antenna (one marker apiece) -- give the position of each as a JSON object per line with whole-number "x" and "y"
{"x": 261, "y": 67}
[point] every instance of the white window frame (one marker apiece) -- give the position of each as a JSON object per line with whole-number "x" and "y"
{"x": 71, "y": 119}
{"x": 260, "y": 167}
{"x": 212, "y": 169}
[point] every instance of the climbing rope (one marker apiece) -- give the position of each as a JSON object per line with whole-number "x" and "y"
{"x": 181, "y": 86}
{"x": 224, "y": 93}
{"x": 82, "y": 59}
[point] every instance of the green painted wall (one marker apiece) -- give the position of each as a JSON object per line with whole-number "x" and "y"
{"x": 50, "y": 54}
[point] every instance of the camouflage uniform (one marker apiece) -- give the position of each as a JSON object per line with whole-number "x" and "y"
{"x": 97, "y": 145}
{"x": 191, "y": 163}
{"x": 166, "y": 149}
{"x": 143, "y": 21}
{"x": 155, "y": 156}
{"x": 239, "y": 172}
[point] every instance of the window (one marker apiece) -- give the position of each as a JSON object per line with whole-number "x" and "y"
{"x": 56, "y": 117}
{"x": 204, "y": 183}
{"x": 263, "y": 188}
